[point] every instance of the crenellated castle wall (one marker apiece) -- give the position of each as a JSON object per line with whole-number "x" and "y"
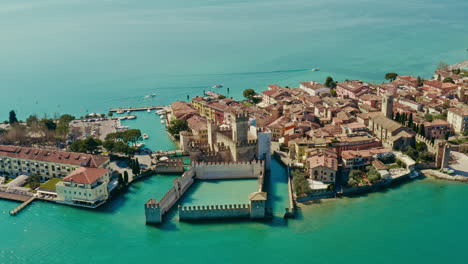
{"x": 207, "y": 212}
{"x": 225, "y": 170}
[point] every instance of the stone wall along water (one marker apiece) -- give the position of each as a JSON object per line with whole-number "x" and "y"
{"x": 226, "y": 170}
{"x": 207, "y": 212}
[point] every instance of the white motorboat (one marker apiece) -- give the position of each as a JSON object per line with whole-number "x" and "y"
{"x": 149, "y": 110}
{"x": 131, "y": 117}
{"x": 160, "y": 112}
{"x": 162, "y": 122}
{"x": 145, "y": 136}
{"x": 120, "y": 112}
{"x": 139, "y": 145}
{"x": 315, "y": 69}
{"x": 217, "y": 86}
{"x": 161, "y": 116}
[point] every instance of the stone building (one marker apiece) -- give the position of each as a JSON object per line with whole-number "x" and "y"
{"x": 323, "y": 165}
{"x": 45, "y": 163}
{"x": 458, "y": 118}
{"x": 392, "y": 134}
{"x": 86, "y": 187}
{"x": 387, "y": 106}
{"x": 233, "y": 142}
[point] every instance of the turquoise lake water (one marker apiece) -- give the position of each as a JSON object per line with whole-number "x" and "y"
{"x": 83, "y": 56}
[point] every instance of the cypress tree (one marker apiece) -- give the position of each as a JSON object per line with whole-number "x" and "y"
{"x": 12, "y": 118}
{"x": 125, "y": 177}
{"x": 398, "y": 117}
{"x": 410, "y": 120}
{"x": 421, "y": 130}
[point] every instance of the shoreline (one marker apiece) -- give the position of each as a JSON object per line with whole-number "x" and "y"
{"x": 442, "y": 176}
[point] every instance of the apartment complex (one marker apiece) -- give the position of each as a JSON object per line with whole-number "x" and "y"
{"x": 84, "y": 177}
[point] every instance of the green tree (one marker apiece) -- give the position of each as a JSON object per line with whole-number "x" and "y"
{"x": 300, "y": 183}
{"x": 428, "y": 117}
{"x": 448, "y": 79}
{"x": 447, "y": 135}
{"x": 421, "y": 130}
{"x": 398, "y": 117}
{"x": 333, "y": 92}
{"x": 31, "y": 120}
{"x": 63, "y": 126}
{"x": 410, "y": 120}
{"x": 330, "y": 83}
{"x": 87, "y": 145}
{"x": 420, "y": 81}
{"x": 125, "y": 177}
{"x": 49, "y": 123}
{"x": 249, "y": 94}
{"x": 12, "y": 117}
{"x": 420, "y": 146}
{"x": 177, "y": 125}
{"x": 355, "y": 174}
{"x": 352, "y": 182}
{"x": 120, "y": 180}
{"x": 391, "y": 76}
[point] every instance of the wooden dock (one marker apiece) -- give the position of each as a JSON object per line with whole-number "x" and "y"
{"x": 143, "y": 108}
{"x": 22, "y": 206}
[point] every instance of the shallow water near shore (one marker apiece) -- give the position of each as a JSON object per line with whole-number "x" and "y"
{"x": 87, "y": 56}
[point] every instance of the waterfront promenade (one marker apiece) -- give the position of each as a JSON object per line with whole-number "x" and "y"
{"x": 14, "y": 196}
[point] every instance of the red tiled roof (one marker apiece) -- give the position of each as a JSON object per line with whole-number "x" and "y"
{"x": 56, "y": 156}
{"x": 85, "y": 175}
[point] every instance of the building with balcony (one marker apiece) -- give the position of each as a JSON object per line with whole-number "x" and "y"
{"x": 86, "y": 187}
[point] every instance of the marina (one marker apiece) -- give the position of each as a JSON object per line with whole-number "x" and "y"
{"x": 132, "y": 109}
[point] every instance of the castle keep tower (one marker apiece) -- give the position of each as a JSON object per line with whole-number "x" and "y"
{"x": 387, "y": 105}
{"x": 240, "y": 128}
{"x": 212, "y": 128}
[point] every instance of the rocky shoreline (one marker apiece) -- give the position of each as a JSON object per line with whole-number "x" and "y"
{"x": 443, "y": 176}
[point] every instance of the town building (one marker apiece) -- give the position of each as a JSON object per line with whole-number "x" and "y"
{"x": 45, "y": 163}
{"x": 323, "y": 165}
{"x": 359, "y": 159}
{"x": 437, "y": 129}
{"x": 458, "y": 118}
{"x": 87, "y": 187}
{"x": 351, "y": 89}
{"x": 314, "y": 88}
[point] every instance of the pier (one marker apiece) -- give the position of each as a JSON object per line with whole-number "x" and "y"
{"x": 22, "y": 206}
{"x": 143, "y": 108}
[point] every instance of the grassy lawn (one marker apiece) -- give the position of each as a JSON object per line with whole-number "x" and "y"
{"x": 50, "y": 184}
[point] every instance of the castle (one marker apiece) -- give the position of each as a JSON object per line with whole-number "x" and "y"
{"x": 254, "y": 209}
{"x": 234, "y": 141}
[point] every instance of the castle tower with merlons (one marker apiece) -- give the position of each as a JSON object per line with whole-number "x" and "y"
{"x": 240, "y": 128}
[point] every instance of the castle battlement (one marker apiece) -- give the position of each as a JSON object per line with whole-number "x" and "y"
{"x": 224, "y": 129}
{"x": 214, "y": 207}
{"x": 152, "y": 203}
{"x": 252, "y": 142}
{"x": 228, "y": 163}
{"x": 242, "y": 116}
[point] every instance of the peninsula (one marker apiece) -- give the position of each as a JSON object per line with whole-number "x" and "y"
{"x": 335, "y": 139}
